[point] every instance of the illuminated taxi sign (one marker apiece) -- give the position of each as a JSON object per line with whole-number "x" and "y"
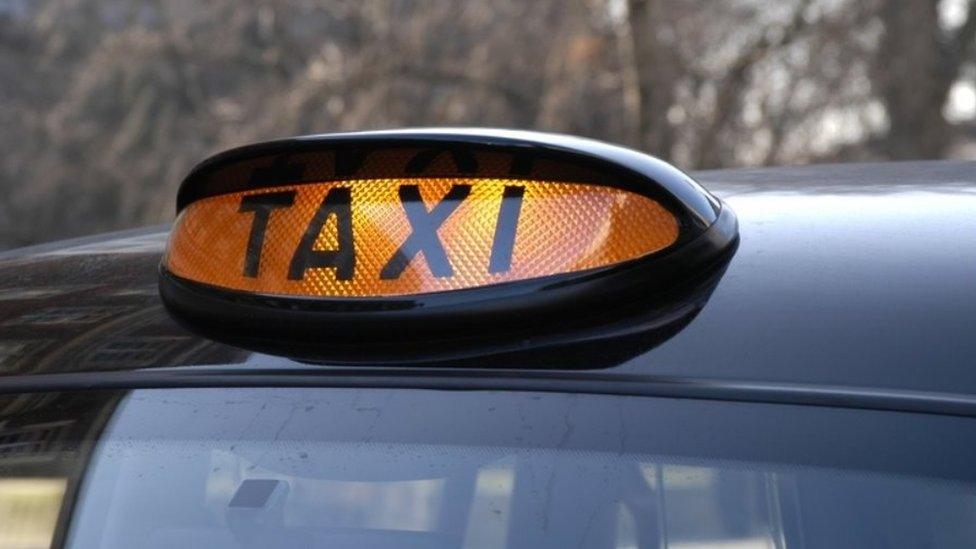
{"x": 364, "y": 241}
{"x": 392, "y": 237}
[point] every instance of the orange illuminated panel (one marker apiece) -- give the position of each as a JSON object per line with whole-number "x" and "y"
{"x": 394, "y": 237}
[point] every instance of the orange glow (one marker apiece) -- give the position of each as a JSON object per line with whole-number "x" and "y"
{"x": 559, "y": 228}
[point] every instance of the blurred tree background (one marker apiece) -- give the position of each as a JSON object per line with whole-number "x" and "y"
{"x": 106, "y": 104}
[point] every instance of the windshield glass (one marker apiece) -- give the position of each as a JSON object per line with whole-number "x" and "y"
{"x": 405, "y": 468}
{"x": 310, "y": 493}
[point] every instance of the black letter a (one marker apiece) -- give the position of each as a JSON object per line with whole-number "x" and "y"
{"x": 337, "y": 202}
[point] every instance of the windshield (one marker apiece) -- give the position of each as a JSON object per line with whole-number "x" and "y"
{"x": 404, "y": 468}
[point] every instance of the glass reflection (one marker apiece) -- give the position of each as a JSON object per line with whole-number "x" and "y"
{"x": 377, "y": 468}
{"x": 378, "y": 495}
{"x": 247, "y": 468}
{"x": 46, "y": 441}
{"x": 94, "y": 307}
{"x": 29, "y": 511}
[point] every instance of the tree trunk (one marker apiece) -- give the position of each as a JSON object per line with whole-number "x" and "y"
{"x": 912, "y": 72}
{"x": 656, "y": 70}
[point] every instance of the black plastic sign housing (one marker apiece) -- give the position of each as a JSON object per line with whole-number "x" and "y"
{"x": 655, "y": 293}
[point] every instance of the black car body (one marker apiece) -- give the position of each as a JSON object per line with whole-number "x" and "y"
{"x": 823, "y": 396}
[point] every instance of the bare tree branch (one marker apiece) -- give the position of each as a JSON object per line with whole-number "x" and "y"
{"x": 731, "y": 90}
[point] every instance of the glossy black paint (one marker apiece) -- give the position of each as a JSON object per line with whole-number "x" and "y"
{"x": 590, "y": 336}
{"x": 862, "y": 275}
{"x": 846, "y": 276}
{"x": 463, "y": 323}
{"x": 853, "y": 294}
{"x": 596, "y": 306}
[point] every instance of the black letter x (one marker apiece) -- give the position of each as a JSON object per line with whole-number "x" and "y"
{"x": 424, "y": 235}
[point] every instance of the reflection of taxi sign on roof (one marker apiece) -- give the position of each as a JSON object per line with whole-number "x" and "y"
{"x": 371, "y": 230}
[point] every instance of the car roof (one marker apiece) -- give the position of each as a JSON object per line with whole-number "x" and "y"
{"x": 853, "y": 275}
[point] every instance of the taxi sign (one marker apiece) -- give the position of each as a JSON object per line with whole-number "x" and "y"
{"x": 431, "y": 230}
{"x": 390, "y": 237}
